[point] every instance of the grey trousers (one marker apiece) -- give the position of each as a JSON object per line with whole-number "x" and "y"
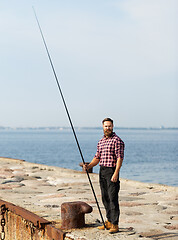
{"x": 109, "y": 192}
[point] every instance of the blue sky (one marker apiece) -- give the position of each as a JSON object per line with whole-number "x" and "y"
{"x": 114, "y": 58}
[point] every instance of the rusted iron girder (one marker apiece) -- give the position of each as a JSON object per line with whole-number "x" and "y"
{"x": 27, "y": 215}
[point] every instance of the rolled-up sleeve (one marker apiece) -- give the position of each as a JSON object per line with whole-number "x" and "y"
{"x": 97, "y": 155}
{"x": 119, "y": 149}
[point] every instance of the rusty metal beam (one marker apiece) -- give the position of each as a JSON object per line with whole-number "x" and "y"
{"x": 27, "y": 215}
{"x": 54, "y": 233}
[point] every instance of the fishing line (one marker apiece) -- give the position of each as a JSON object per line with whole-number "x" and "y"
{"x": 67, "y": 111}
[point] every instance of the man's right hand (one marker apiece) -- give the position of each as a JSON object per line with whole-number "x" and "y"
{"x": 93, "y": 163}
{"x": 85, "y": 167}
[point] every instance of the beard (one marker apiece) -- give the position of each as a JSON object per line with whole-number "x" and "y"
{"x": 108, "y": 133}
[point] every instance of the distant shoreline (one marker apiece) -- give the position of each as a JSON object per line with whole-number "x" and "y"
{"x": 84, "y": 128}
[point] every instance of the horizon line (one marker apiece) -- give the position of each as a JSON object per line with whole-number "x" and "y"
{"x": 84, "y": 127}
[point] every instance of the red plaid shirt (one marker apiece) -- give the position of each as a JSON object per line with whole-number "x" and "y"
{"x": 109, "y": 150}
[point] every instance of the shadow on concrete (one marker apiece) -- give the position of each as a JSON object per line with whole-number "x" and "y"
{"x": 168, "y": 236}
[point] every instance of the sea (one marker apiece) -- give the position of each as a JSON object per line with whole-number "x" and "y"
{"x": 151, "y": 155}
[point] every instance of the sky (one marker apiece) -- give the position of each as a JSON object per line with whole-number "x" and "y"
{"x": 113, "y": 58}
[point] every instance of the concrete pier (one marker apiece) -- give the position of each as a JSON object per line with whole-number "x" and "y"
{"x": 148, "y": 211}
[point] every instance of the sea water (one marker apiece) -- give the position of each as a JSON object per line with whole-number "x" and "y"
{"x": 151, "y": 155}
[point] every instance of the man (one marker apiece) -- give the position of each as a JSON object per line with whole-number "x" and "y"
{"x": 109, "y": 155}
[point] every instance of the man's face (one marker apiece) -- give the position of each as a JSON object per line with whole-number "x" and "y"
{"x": 107, "y": 128}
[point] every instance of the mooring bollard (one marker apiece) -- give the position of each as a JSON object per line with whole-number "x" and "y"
{"x": 89, "y": 170}
{"x": 73, "y": 214}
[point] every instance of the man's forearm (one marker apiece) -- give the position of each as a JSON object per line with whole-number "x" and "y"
{"x": 116, "y": 172}
{"x": 93, "y": 163}
{"x": 118, "y": 164}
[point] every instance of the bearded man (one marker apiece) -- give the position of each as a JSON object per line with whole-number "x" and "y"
{"x": 109, "y": 155}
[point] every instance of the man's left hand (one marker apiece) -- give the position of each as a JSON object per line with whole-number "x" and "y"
{"x": 114, "y": 177}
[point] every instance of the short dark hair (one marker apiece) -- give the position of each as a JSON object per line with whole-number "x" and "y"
{"x": 107, "y": 119}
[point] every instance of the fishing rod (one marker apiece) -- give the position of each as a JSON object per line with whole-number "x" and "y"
{"x": 67, "y": 111}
